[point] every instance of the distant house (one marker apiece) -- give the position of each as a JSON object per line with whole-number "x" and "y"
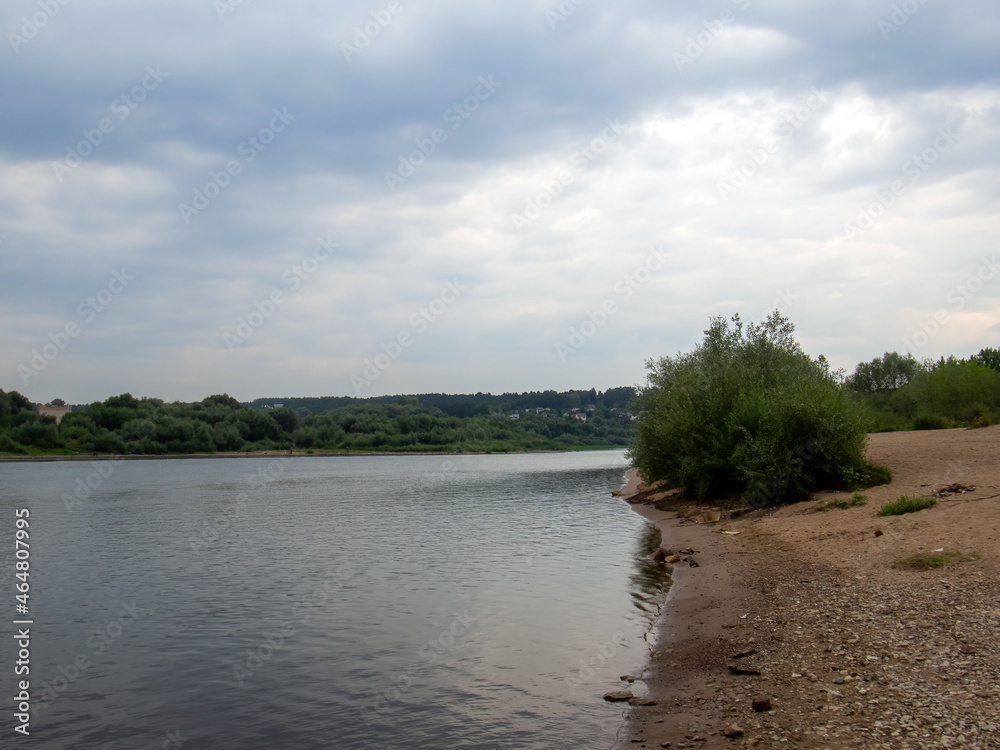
{"x": 590, "y": 407}
{"x": 515, "y": 415}
{"x": 580, "y": 415}
{"x": 54, "y": 411}
{"x": 279, "y": 406}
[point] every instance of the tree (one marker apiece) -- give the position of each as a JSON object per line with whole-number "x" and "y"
{"x": 222, "y": 400}
{"x": 287, "y": 419}
{"x": 989, "y": 357}
{"x": 13, "y": 402}
{"x": 886, "y": 373}
{"x": 747, "y": 413}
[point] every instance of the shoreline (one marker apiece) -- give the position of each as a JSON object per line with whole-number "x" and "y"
{"x": 699, "y": 604}
{"x": 820, "y": 614}
{"x": 295, "y": 454}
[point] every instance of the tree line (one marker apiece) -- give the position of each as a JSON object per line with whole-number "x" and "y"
{"x": 148, "y": 426}
{"x": 468, "y": 405}
{"x": 903, "y": 393}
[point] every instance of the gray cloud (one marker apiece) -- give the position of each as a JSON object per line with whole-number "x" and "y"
{"x": 697, "y": 91}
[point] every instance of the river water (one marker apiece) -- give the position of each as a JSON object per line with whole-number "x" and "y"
{"x": 344, "y": 602}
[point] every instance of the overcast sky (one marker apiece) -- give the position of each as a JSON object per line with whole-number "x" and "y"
{"x": 307, "y": 198}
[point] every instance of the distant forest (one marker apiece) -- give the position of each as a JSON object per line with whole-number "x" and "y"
{"x": 466, "y": 405}
{"x": 425, "y": 423}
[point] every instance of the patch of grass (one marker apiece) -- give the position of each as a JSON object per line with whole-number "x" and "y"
{"x": 907, "y": 505}
{"x": 932, "y": 560}
{"x": 856, "y": 501}
{"x": 879, "y": 474}
{"x": 868, "y": 475}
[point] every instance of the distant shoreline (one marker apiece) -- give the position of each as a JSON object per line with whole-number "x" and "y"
{"x": 295, "y": 454}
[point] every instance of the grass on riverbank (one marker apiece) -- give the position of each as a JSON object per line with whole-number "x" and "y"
{"x": 857, "y": 501}
{"x": 907, "y": 505}
{"x": 937, "y": 559}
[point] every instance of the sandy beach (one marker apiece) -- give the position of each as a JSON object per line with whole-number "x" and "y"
{"x": 811, "y": 613}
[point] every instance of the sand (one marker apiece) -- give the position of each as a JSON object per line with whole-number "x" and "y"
{"x": 853, "y": 651}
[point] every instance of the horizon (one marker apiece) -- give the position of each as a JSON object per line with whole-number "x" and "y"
{"x": 286, "y": 397}
{"x": 415, "y": 394}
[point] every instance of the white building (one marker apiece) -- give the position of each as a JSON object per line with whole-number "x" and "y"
{"x": 54, "y": 411}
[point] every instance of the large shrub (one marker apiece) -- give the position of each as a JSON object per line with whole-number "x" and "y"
{"x": 748, "y": 413}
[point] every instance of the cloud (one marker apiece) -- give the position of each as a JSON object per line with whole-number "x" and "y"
{"x": 743, "y": 110}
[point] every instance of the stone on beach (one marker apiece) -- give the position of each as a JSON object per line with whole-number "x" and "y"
{"x": 732, "y": 730}
{"x": 641, "y": 702}
{"x": 619, "y": 696}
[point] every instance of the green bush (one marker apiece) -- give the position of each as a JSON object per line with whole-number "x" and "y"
{"x": 7, "y": 445}
{"x": 907, "y": 505}
{"x": 868, "y": 475}
{"x": 930, "y": 422}
{"x": 747, "y": 413}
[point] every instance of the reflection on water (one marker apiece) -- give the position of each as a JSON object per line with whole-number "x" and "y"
{"x": 649, "y": 583}
{"x": 419, "y": 602}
